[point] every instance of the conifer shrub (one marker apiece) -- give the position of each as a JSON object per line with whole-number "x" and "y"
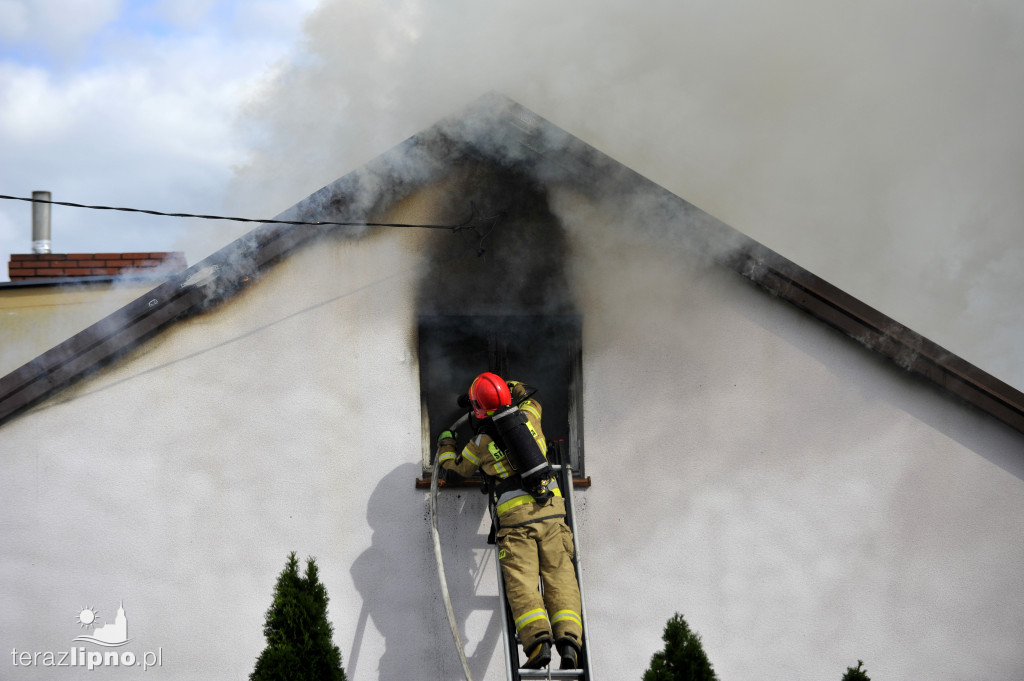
{"x": 683, "y": 658}
{"x": 857, "y": 674}
{"x": 299, "y": 636}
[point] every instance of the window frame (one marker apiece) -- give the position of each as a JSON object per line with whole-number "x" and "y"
{"x": 510, "y": 340}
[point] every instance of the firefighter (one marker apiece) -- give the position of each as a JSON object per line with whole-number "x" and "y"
{"x": 534, "y": 543}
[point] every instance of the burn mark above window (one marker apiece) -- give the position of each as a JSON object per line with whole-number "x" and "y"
{"x": 541, "y": 350}
{"x": 514, "y": 265}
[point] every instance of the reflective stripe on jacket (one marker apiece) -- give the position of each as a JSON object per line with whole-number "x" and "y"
{"x": 483, "y": 453}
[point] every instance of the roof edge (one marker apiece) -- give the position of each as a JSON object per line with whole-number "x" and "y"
{"x": 221, "y": 275}
{"x": 878, "y": 332}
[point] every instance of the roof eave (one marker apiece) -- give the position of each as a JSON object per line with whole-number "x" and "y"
{"x": 880, "y": 333}
{"x": 220, "y": 276}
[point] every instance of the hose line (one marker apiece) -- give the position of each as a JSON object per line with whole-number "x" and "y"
{"x": 440, "y": 561}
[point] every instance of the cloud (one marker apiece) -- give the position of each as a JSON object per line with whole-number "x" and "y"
{"x": 143, "y": 116}
{"x": 58, "y": 26}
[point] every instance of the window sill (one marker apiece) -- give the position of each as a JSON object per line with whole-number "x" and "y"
{"x": 424, "y": 483}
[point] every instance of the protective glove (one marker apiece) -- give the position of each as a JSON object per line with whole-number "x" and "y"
{"x": 447, "y": 437}
{"x": 520, "y": 391}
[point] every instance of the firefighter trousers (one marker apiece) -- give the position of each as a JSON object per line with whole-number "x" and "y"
{"x": 536, "y": 552}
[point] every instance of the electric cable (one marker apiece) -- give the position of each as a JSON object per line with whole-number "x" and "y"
{"x": 469, "y": 224}
{"x": 465, "y": 224}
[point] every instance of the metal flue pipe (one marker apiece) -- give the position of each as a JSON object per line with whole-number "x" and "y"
{"x": 40, "y": 222}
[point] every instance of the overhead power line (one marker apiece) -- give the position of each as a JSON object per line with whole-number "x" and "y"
{"x": 468, "y": 223}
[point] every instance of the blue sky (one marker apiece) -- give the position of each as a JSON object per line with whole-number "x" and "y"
{"x": 65, "y": 35}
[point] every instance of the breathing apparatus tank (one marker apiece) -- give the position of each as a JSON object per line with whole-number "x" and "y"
{"x": 517, "y": 438}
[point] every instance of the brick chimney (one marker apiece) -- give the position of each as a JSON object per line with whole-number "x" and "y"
{"x": 42, "y": 264}
{"x": 67, "y": 265}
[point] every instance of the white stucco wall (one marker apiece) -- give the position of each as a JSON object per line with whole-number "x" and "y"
{"x": 802, "y": 503}
{"x": 35, "y": 318}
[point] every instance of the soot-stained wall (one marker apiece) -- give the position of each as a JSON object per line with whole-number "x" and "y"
{"x": 514, "y": 259}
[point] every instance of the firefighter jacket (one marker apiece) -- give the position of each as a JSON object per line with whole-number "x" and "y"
{"x": 533, "y": 539}
{"x": 514, "y": 505}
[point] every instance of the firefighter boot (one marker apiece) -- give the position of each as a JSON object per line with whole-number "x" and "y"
{"x": 569, "y": 650}
{"x": 539, "y": 655}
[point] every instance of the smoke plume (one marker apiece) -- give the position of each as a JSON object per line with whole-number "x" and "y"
{"x": 877, "y": 144}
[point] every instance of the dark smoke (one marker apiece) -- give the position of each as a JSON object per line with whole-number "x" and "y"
{"x": 513, "y": 262}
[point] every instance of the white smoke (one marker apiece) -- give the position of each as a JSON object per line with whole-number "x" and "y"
{"x": 877, "y": 144}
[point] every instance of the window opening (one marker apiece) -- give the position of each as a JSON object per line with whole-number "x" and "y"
{"x": 542, "y": 350}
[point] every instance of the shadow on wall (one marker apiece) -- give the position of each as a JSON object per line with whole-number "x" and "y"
{"x": 397, "y": 580}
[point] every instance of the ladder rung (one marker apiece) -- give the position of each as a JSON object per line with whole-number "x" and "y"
{"x": 552, "y": 673}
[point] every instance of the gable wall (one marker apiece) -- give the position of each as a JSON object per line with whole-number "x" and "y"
{"x": 801, "y": 503}
{"x": 39, "y": 317}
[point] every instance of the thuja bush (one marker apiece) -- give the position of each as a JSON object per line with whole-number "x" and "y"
{"x": 857, "y": 674}
{"x": 299, "y": 636}
{"x": 683, "y": 658}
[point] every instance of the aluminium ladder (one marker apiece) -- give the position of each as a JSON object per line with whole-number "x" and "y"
{"x": 514, "y": 672}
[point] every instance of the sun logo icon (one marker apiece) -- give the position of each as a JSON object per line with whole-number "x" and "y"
{"x": 88, "y": 616}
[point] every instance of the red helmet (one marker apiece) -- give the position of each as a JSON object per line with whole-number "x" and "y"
{"x": 488, "y": 392}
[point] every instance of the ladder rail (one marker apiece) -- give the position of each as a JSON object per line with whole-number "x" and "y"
{"x": 513, "y": 672}
{"x": 511, "y": 644}
{"x": 578, "y": 561}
